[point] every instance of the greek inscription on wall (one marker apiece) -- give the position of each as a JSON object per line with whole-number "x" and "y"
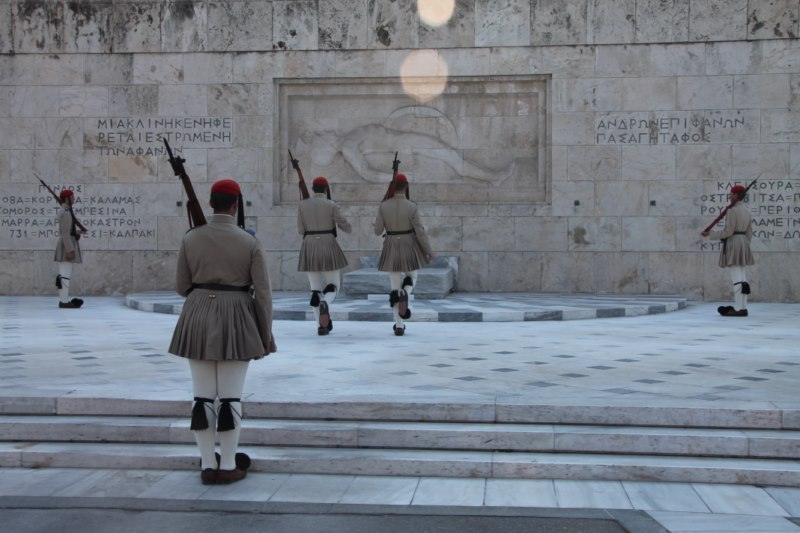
{"x": 144, "y": 136}
{"x": 31, "y": 217}
{"x": 774, "y": 204}
{"x": 673, "y": 127}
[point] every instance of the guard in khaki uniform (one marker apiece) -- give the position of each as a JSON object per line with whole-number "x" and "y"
{"x": 225, "y": 323}
{"x": 405, "y": 249}
{"x": 68, "y": 250}
{"x": 320, "y": 255}
{"x": 736, "y": 254}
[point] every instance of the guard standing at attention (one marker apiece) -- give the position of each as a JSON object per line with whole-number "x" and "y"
{"x": 736, "y": 254}
{"x": 225, "y": 323}
{"x": 68, "y": 249}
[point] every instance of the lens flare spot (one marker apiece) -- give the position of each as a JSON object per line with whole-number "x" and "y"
{"x": 424, "y": 75}
{"x": 435, "y": 12}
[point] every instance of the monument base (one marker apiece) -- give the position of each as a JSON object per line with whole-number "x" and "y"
{"x": 434, "y": 281}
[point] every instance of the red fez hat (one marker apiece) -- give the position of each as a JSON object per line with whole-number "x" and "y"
{"x": 401, "y": 178}
{"x": 65, "y": 192}
{"x": 228, "y": 187}
{"x": 319, "y": 181}
{"x": 738, "y": 189}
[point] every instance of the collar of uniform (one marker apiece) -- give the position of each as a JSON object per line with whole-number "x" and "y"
{"x": 320, "y": 195}
{"x": 221, "y": 218}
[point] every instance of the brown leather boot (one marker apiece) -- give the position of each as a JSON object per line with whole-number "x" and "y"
{"x": 226, "y": 477}
{"x": 208, "y": 476}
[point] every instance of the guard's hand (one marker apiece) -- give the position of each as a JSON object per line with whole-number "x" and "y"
{"x": 431, "y": 256}
{"x": 704, "y": 234}
{"x": 70, "y": 256}
{"x": 84, "y": 232}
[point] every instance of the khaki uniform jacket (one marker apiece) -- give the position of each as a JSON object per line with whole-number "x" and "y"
{"x": 212, "y": 321}
{"x": 66, "y": 240}
{"x": 320, "y": 252}
{"x": 406, "y": 252}
{"x": 735, "y": 248}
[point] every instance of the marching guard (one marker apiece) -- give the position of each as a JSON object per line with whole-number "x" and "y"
{"x": 321, "y": 258}
{"x": 405, "y": 248}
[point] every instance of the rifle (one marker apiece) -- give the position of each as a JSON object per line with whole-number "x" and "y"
{"x": 392, "y": 185}
{"x": 724, "y": 211}
{"x": 58, "y": 201}
{"x": 302, "y": 183}
{"x": 193, "y": 209}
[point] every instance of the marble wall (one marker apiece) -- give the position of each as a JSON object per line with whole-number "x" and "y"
{"x": 645, "y": 113}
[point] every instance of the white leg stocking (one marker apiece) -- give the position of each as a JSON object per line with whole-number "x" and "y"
{"x": 230, "y": 382}
{"x": 65, "y": 271}
{"x": 204, "y": 385}
{"x": 396, "y": 283}
{"x": 738, "y": 276}
{"x": 316, "y": 282}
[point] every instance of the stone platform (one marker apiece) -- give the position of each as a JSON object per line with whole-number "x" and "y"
{"x": 434, "y": 281}
{"x": 689, "y": 417}
{"x": 458, "y": 307}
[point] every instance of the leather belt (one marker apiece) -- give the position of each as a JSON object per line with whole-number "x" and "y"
{"x": 219, "y": 287}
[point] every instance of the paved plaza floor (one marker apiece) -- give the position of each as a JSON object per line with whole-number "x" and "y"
{"x": 687, "y": 357}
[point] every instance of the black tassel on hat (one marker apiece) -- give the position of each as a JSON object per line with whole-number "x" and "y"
{"x": 199, "y": 418}
{"x": 225, "y": 420}
{"x": 240, "y": 213}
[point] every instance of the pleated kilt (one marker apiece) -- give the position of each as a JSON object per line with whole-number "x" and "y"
{"x": 401, "y": 253}
{"x": 320, "y": 253}
{"x": 736, "y": 252}
{"x": 217, "y": 326}
{"x": 61, "y": 253}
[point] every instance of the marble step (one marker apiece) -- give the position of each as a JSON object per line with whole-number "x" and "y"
{"x": 761, "y": 416}
{"x": 420, "y": 435}
{"x": 396, "y": 462}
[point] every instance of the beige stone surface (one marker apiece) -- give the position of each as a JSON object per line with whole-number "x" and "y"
{"x": 516, "y": 271}
{"x": 610, "y": 22}
{"x": 778, "y": 18}
{"x": 502, "y": 22}
{"x": 594, "y": 234}
{"x": 294, "y": 25}
{"x": 705, "y": 92}
{"x": 556, "y": 22}
{"x": 239, "y": 26}
{"x": 457, "y": 31}
{"x": 717, "y": 20}
{"x": 625, "y": 273}
{"x": 659, "y": 22}
{"x": 579, "y": 145}
{"x": 6, "y": 42}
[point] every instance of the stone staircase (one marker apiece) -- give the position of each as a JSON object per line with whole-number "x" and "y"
{"x": 757, "y": 447}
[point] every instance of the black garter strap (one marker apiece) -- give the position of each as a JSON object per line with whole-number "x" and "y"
{"x": 199, "y": 418}
{"x": 225, "y": 420}
{"x": 314, "y": 299}
{"x": 745, "y": 286}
